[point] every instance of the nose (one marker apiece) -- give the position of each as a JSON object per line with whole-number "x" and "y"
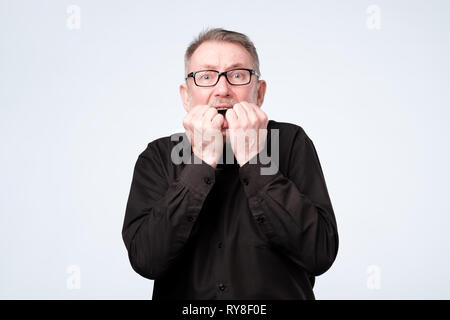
{"x": 222, "y": 88}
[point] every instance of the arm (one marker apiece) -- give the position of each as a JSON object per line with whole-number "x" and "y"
{"x": 295, "y": 211}
{"x": 160, "y": 216}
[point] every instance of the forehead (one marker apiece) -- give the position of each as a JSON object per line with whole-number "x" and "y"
{"x": 220, "y": 55}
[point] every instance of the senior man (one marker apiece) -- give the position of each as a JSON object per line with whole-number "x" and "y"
{"x": 210, "y": 228}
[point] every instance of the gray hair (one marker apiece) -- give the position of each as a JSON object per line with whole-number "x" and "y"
{"x": 218, "y": 34}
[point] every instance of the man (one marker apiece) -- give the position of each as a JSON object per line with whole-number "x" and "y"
{"x": 208, "y": 228}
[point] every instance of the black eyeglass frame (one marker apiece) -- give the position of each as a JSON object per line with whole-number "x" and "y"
{"x": 225, "y": 73}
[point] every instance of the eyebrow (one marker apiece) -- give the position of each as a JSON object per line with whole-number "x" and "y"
{"x": 211, "y": 67}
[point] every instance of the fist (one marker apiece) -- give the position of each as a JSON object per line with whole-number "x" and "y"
{"x": 247, "y": 127}
{"x": 203, "y": 126}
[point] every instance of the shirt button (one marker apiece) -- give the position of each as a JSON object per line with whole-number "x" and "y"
{"x": 221, "y": 287}
{"x": 245, "y": 181}
{"x": 219, "y": 245}
{"x": 207, "y": 180}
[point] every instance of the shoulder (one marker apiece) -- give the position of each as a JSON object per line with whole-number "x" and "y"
{"x": 287, "y": 131}
{"x": 158, "y": 154}
{"x": 162, "y": 147}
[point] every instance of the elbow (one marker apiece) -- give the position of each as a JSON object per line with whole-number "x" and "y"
{"x": 144, "y": 262}
{"x": 324, "y": 259}
{"x": 147, "y": 272}
{"x": 321, "y": 265}
{"x": 147, "y": 268}
{"x": 142, "y": 258}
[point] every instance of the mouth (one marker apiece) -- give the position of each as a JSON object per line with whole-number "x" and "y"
{"x": 222, "y": 111}
{"x": 222, "y": 108}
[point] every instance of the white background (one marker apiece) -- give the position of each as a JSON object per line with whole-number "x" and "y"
{"x": 77, "y": 106}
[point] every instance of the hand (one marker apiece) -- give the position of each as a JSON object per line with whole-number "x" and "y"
{"x": 244, "y": 123}
{"x": 203, "y": 126}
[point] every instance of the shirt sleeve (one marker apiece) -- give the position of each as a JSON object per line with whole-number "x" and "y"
{"x": 160, "y": 216}
{"x": 294, "y": 212}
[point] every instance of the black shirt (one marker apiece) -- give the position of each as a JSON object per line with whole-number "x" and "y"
{"x": 231, "y": 232}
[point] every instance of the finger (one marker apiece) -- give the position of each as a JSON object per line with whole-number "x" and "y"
{"x": 197, "y": 115}
{"x": 208, "y": 116}
{"x": 187, "y": 121}
{"x": 262, "y": 116}
{"x": 240, "y": 112}
{"x": 232, "y": 118}
{"x": 189, "y": 136}
{"x": 217, "y": 121}
{"x": 251, "y": 113}
{"x": 199, "y": 111}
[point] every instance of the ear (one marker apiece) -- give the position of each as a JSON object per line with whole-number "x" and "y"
{"x": 185, "y": 97}
{"x": 261, "y": 92}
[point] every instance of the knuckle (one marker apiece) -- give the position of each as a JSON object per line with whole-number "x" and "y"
{"x": 264, "y": 117}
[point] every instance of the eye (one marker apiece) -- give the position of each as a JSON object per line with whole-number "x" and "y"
{"x": 205, "y": 76}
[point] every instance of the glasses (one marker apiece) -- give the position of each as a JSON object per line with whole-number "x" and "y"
{"x": 235, "y": 77}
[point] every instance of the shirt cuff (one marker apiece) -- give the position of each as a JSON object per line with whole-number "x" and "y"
{"x": 198, "y": 176}
{"x": 255, "y": 176}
